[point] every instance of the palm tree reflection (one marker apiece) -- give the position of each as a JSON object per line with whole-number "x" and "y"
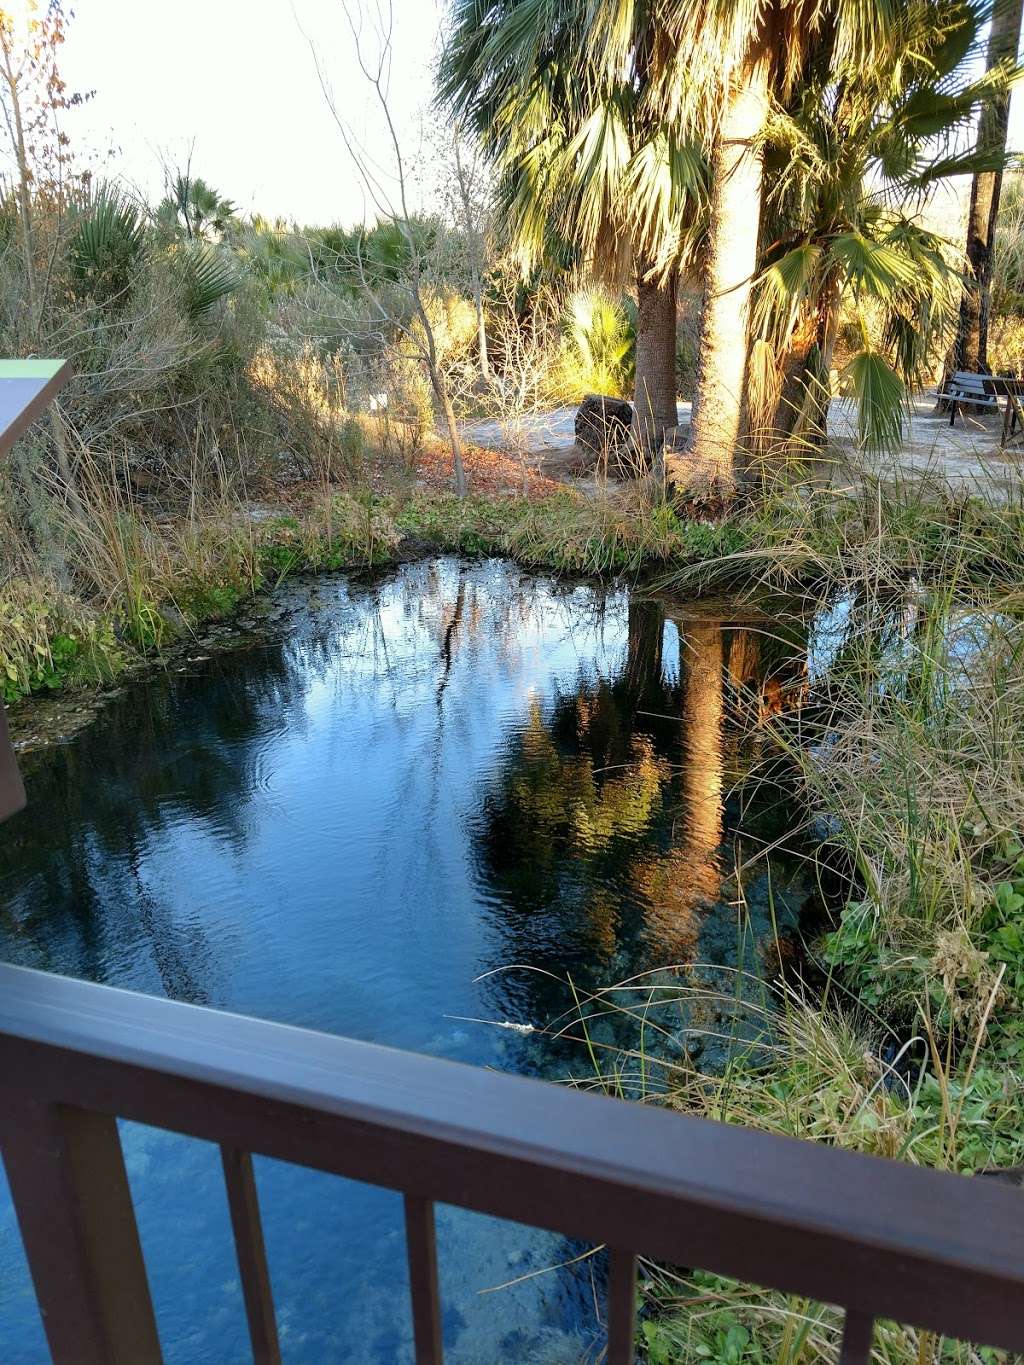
{"x": 608, "y": 841}
{"x": 688, "y": 876}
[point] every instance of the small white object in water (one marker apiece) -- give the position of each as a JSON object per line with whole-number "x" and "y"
{"x": 516, "y": 1028}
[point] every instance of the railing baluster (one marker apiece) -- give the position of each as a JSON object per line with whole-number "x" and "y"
{"x": 621, "y": 1307}
{"x": 243, "y": 1203}
{"x": 858, "y": 1333}
{"x": 70, "y": 1190}
{"x": 421, "y": 1243}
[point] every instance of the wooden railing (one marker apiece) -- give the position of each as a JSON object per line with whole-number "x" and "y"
{"x": 877, "y": 1238}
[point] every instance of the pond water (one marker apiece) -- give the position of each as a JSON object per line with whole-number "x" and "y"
{"x": 374, "y": 817}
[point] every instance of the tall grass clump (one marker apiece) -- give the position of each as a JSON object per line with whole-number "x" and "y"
{"x": 898, "y": 1028}
{"x": 814, "y": 534}
{"x": 824, "y": 1072}
{"x": 912, "y": 755}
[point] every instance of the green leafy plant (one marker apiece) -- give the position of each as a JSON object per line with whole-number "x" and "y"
{"x": 107, "y": 248}
{"x": 207, "y": 276}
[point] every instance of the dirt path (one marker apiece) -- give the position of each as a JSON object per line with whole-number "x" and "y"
{"x": 965, "y": 455}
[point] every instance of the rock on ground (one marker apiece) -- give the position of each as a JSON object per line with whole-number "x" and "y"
{"x": 602, "y": 423}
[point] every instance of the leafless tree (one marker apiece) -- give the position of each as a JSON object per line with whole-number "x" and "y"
{"x": 473, "y": 217}
{"x": 33, "y": 97}
{"x": 388, "y": 189}
{"x": 519, "y": 387}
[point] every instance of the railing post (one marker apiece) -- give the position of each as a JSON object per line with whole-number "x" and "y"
{"x": 70, "y": 1190}
{"x": 421, "y": 1244}
{"x": 621, "y": 1307}
{"x": 858, "y": 1334}
{"x": 243, "y": 1204}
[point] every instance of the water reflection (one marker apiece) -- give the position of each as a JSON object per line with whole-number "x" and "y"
{"x": 360, "y": 822}
{"x": 610, "y": 844}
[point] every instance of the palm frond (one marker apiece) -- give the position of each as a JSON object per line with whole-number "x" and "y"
{"x": 208, "y": 275}
{"x": 107, "y": 247}
{"x": 880, "y": 396}
{"x": 875, "y": 267}
{"x": 781, "y": 291}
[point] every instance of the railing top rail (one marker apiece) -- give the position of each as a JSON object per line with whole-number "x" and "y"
{"x": 925, "y": 1247}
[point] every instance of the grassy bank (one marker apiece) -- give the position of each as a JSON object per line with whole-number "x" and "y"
{"x": 118, "y": 580}
{"x": 902, "y": 1032}
{"x": 113, "y": 578}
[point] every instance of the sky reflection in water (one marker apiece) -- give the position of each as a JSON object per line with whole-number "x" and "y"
{"x": 358, "y": 825}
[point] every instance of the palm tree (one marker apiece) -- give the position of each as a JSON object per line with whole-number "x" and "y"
{"x": 847, "y": 161}
{"x": 196, "y": 208}
{"x": 638, "y": 130}
{"x": 748, "y": 57}
{"x": 599, "y": 116}
{"x": 754, "y": 59}
{"x": 970, "y": 349}
{"x": 563, "y": 98}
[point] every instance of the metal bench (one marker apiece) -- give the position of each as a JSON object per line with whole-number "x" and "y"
{"x": 963, "y": 386}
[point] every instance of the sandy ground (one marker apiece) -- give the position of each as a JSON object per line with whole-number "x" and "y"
{"x": 965, "y": 455}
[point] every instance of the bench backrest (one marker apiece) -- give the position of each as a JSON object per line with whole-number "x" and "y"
{"x": 968, "y": 382}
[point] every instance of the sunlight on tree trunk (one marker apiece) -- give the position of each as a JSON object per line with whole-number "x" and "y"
{"x": 719, "y": 416}
{"x": 452, "y": 426}
{"x": 701, "y": 654}
{"x": 970, "y": 351}
{"x": 689, "y": 875}
{"x": 654, "y": 398}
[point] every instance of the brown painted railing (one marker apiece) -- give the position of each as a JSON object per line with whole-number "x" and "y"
{"x": 877, "y": 1238}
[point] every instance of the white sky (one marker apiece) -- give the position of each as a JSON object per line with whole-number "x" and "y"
{"x": 236, "y": 81}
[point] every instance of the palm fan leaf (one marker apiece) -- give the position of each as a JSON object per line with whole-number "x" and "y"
{"x": 208, "y": 276}
{"x": 107, "y": 247}
{"x": 781, "y": 291}
{"x": 876, "y": 267}
{"x": 880, "y": 396}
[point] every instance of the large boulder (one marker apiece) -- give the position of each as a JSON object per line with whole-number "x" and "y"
{"x": 603, "y": 426}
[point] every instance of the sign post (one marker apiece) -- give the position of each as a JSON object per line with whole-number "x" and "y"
{"x": 27, "y": 387}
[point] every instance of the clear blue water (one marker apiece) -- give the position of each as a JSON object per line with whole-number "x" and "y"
{"x": 372, "y": 817}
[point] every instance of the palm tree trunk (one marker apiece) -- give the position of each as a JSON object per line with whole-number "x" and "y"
{"x": 654, "y": 394}
{"x": 801, "y": 421}
{"x": 795, "y": 365}
{"x": 718, "y": 427}
{"x": 645, "y": 636}
{"x": 970, "y": 350}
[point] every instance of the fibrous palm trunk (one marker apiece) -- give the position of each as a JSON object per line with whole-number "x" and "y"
{"x": 970, "y": 350}
{"x": 718, "y": 427}
{"x": 801, "y": 420}
{"x": 654, "y": 395}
